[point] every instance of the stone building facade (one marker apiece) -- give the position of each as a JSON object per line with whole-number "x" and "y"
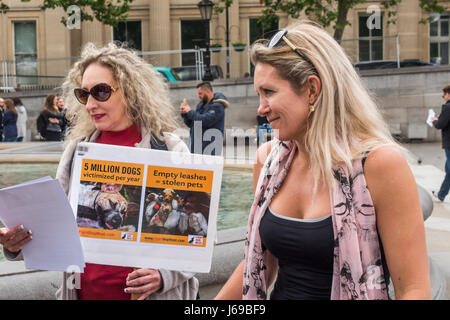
{"x": 28, "y": 33}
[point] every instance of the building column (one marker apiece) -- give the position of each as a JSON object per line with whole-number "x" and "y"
{"x": 409, "y": 14}
{"x": 159, "y": 31}
{"x": 236, "y": 35}
{"x": 91, "y": 31}
{"x": 219, "y": 35}
{"x": 56, "y": 45}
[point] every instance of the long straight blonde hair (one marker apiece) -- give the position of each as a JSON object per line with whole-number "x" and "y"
{"x": 147, "y": 95}
{"x": 346, "y": 123}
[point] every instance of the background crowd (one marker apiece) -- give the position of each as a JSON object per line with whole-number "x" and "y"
{"x": 51, "y": 122}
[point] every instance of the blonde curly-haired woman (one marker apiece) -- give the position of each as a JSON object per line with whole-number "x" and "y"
{"x": 114, "y": 97}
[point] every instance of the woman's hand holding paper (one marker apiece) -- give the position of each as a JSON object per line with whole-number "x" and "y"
{"x": 14, "y": 239}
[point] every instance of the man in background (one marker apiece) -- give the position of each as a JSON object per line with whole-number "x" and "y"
{"x": 442, "y": 122}
{"x": 207, "y": 121}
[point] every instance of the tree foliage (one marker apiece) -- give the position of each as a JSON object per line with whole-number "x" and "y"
{"x": 430, "y": 6}
{"x": 326, "y": 12}
{"x": 329, "y": 12}
{"x": 106, "y": 11}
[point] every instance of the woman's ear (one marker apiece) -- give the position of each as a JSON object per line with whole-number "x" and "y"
{"x": 314, "y": 87}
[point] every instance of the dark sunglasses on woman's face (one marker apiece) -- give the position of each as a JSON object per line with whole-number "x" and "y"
{"x": 100, "y": 92}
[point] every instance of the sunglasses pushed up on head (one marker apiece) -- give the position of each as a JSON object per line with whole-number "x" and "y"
{"x": 100, "y": 92}
{"x": 281, "y": 35}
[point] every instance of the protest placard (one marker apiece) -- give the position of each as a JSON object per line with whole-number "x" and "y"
{"x": 146, "y": 208}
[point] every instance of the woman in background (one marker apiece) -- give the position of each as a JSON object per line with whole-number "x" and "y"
{"x": 10, "y": 122}
{"x": 50, "y": 120}
{"x": 21, "y": 119}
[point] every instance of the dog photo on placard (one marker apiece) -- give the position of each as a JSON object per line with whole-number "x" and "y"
{"x": 108, "y": 206}
{"x": 176, "y": 212}
{"x": 195, "y": 213}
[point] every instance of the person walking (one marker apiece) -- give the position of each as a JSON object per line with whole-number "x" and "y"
{"x": 443, "y": 123}
{"x": 21, "y": 119}
{"x": 10, "y": 122}
{"x": 208, "y": 118}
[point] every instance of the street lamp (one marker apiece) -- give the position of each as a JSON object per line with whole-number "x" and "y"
{"x": 206, "y": 8}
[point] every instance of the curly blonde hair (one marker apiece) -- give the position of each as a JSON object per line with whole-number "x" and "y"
{"x": 346, "y": 123}
{"x": 147, "y": 95}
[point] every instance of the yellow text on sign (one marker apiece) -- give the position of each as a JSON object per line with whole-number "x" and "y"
{"x": 112, "y": 172}
{"x": 179, "y": 178}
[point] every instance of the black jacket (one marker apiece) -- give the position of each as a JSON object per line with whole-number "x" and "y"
{"x": 443, "y": 123}
{"x": 43, "y": 121}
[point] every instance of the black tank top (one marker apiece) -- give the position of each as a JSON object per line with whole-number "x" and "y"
{"x": 304, "y": 249}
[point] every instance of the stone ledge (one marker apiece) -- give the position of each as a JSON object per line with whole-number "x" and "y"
{"x": 30, "y": 158}
{"x": 18, "y": 283}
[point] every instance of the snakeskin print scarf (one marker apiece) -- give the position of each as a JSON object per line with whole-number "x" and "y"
{"x": 357, "y": 266}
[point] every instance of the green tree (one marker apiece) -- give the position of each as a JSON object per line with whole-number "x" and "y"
{"x": 106, "y": 11}
{"x": 329, "y": 12}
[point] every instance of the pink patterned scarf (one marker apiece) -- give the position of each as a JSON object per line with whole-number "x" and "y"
{"x": 357, "y": 266}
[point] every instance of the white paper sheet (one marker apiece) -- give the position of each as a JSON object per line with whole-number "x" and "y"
{"x": 431, "y": 115}
{"x": 48, "y": 178}
{"x": 42, "y": 206}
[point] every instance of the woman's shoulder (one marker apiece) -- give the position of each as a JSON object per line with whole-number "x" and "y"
{"x": 45, "y": 113}
{"x": 9, "y": 114}
{"x": 386, "y": 168}
{"x": 263, "y": 152}
{"x": 50, "y": 113}
{"x": 386, "y": 157}
{"x": 63, "y": 171}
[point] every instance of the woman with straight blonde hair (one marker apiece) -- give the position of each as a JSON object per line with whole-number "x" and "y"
{"x": 114, "y": 97}
{"x": 314, "y": 226}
